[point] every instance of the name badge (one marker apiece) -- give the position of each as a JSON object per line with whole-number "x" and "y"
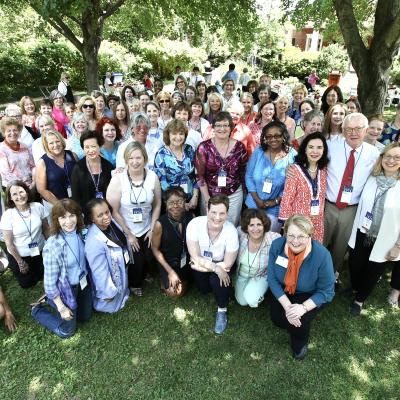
{"x": 34, "y": 249}
{"x": 314, "y": 207}
{"x": 126, "y": 257}
{"x": 208, "y": 255}
{"x": 367, "y": 221}
{"x": 267, "y": 187}
{"x": 137, "y": 215}
{"x": 99, "y": 195}
{"x": 83, "y": 282}
{"x": 221, "y": 179}
{"x": 282, "y": 261}
{"x": 346, "y": 194}
{"x": 69, "y": 191}
{"x": 183, "y": 260}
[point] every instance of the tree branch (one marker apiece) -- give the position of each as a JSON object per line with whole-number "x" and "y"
{"x": 112, "y": 8}
{"x": 63, "y": 28}
{"x": 387, "y": 24}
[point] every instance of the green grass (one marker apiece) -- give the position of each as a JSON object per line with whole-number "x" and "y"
{"x": 158, "y": 348}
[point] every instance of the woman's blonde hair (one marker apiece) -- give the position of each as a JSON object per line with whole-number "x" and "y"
{"x": 132, "y": 146}
{"x": 52, "y": 132}
{"x": 302, "y": 222}
{"x": 378, "y": 165}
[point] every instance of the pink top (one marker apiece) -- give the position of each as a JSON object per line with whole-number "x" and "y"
{"x": 61, "y": 119}
{"x": 297, "y": 198}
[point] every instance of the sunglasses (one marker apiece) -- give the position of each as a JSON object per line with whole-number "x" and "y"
{"x": 88, "y": 106}
{"x": 163, "y": 101}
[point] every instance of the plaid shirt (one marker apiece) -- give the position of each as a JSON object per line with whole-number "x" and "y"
{"x": 263, "y": 254}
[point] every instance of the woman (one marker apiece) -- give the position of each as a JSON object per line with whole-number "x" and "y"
{"x": 135, "y": 196}
{"x": 263, "y": 95}
{"x": 87, "y": 106}
{"x": 265, "y": 115}
{"x": 201, "y": 88}
{"x": 332, "y": 128}
{"x": 375, "y": 239}
{"x": 213, "y": 244}
{"x": 215, "y": 103}
{"x": 197, "y": 122}
{"x": 16, "y": 162}
{"x": 144, "y": 98}
{"x": 282, "y": 107}
{"x": 64, "y": 87}
{"x": 181, "y": 84}
{"x": 248, "y": 104}
{"x": 190, "y": 93}
{"x": 24, "y": 226}
{"x": 330, "y": 97}
{"x": 169, "y": 244}
{"x": 254, "y": 244}
{"x": 70, "y": 110}
{"x": 79, "y": 127}
{"x": 100, "y": 101}
{"x": 54, "y": 170}
{"x": 174, "y": 163}
{"x": 176, "y": 97}
{"x": 112, "y": 100}
{"x": 109, "y": 131}
{"x": 67, "y": 286}
{"x": 252, "y": 88}
{"x": 301, "y": 279}
{"x": 164, "y": 100}
{"x": 305, "y": 187}
{"x": 122, "y": 118}
{"x": 266, "y": 171}
{"x": 220, "y": 165}
{"x": 29, "y": 114}
{"x": 153, "y": 110}
{"x": 311, "y": 122}
{"x": 299, "y": 93}
{"x": 58, "y": 113}
{"x": 353, "y": 105}
{"x": 44, "y": 124}
{"x": 306, "y": 106}
{"x": 128, "y": 93}
{"x": 91, "y": 175}
{"x": 107, "y": 253}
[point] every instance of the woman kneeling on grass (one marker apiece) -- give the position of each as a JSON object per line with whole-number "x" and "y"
{"x": 301, "y": 278}
{"x": 65, "y": 273}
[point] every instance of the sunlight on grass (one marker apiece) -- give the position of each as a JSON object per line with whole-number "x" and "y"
{"x": 155, "y": 342}
{"x": 368, "y": 341}
{"x": 377, "y": 314}
{"x": 227, "y": 356}
{"x": 35, "y": 385}
{"x": 393, "y": 355}
{"x": 256, "y": 356}
{"x": 58, "y": 389}
{"x": 135, "y": 360}
{"x": 182, "y": 315}
{"x": 357, "y": 396}
{"x": 357, "y": 370}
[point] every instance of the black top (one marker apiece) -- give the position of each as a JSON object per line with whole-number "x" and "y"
{"x": 172, "y": 243}
{"x": 84, "y": 184}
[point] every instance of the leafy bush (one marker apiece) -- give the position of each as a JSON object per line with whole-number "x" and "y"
{"x": 395, "y": 73}
{"x": 332, "y": 57}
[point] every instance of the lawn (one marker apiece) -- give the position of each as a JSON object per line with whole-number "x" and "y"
{"x": 158, "y": 348}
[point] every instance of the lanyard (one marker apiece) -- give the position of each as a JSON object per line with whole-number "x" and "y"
{"x": 30, "y": 221}
{"x": 133, "y": 186}
{"x": 210, "y": 241}
{"x": 96, "y": 184}
{"x": 248, "y": 253}
{"x": 313, "y": 182}
{"x": 77, "y": 258}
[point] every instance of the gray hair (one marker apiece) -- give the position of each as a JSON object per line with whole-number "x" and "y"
{"x": 139, "y": 117}
{"x": 44, "y": 118}
{"x": 349, "y": 117}
{"x": 79, "y": 116}
{"x": 54, "y": 94}
{"x": 12, "y": 110}
{"x": 313, "y": 114}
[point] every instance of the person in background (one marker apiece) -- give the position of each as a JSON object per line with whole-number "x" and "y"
{"x": 79, "y": 127}
{"x": 252, "y": 88}
{"x": 101, "y": 107}
{"x": 147, "y": 83}
{"x": 248, "y": 103}
{"x": 255, "y": 241}
{"x": 332, "y": 127}
{"x": 45, "y": 107}
{"x": 44, "y": 124}
{"x": 201, "y": 88}
{"x": 301, "y": 279}
{"x": 122, "y": 118}
{"x": 312, "y": 79}
{"x": 128, "y": 93}
{"x": 158, "y": 87}
{"x": 374, "y": 131}
{"x": 263, "y": 96}
{"x": 215, "y": 104}
{"x": 169, "y": 244}
{"x": 353, "y": 105}
{"x": 197, "y": 122}
{"x": 153, "y": 110}
{"x": 108, "y": 85}
{"x": 144, "y": 98}
{"x": 229, "y": 95}
{"x": 375, "y": 237}
{"x": 282, "y": 107}
{"x": 196, "y": 77}
{"x": 330, "y": 97}
{"x": 64, "y": 87}
{"x": 231, "y": 74}
{"x": 299, "y": 93}
{"x": 190, "y": 94}
{"x": 164, "y": 100}
{"x": 70, "y": 110}
{"x": 244, "y": 79}
{"x": 391, "y": 131}
{"x": 6, "y": 313}
{"x": 310, "y": 123}
{"x": 111, "y": 102}
{"x": 58, "y": 113}
{"x": 180, "y": 84}
{"x": 306, "y": 106}
{"x": 213, "y": 244}
{"x": 177, "y": 97}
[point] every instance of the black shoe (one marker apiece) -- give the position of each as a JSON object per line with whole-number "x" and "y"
{"x": 355, "y": 309}
{"x": 301, "y": 355}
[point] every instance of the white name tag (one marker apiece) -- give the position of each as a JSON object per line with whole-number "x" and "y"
{"x": 126, "y": 256}
{"x": 83, "y": 282}
{"x": 69, "y": 191}
{"x": 137, "y": 215}
{"x": 267, "y": 187}
{"x": 346, "y": 194}
{"x": 222, "y": 179}
{"x": 314, "y": 207}
{"x": 367, "y": 221}
{"x": 184, "y": 186}
{"x": 282, "y": 261}
{"x": 34, "y": 249}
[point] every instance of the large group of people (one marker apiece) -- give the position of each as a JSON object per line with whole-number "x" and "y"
{"x": 228, "y": 194}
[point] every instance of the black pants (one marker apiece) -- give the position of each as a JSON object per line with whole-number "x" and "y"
{"x": 364, "y": 273}
{"x": 142, "y": 258}
{"x": 298, "y": 336}
{"x": 208, "y": 282}
{"x": 34, "y": 274}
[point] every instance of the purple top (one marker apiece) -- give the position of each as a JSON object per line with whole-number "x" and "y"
{"x": 209, "y": 163}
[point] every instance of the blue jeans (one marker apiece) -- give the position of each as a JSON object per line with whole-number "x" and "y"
{"x": 51, "y": 319}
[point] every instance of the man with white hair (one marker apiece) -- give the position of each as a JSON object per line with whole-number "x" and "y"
{"x": 14, "y": 111}
{"x": 351, "y": 163}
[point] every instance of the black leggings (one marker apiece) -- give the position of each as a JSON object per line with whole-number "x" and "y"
{"x": 34, "y": 274}
{"x": 142, "y": 258}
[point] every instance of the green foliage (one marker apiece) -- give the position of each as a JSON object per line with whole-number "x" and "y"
{"x": 395, "y": 73}
{"x": 332, "y": 57}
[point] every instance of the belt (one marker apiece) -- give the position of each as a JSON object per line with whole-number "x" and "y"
{"x": 333, "y": 203}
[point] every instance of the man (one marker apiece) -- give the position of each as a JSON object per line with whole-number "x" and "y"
{"x": 351, "y": 162}
{"x": 196, "y": 77}
{"x": 231, "y": 74}
{"x": 244, "y": 79}
{"x": 169, "y": 244}
{"x": 6, "y": 313}
{"x": 229, "y": 95}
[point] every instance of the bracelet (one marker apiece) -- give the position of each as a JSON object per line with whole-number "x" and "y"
{"x": 276, "y": 201}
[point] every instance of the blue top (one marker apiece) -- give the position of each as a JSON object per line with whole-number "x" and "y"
{"x": 75, "y": 256}
{"x": 75, "y": 147}
{"x": 316, "y": 274}
{"x": 110, "y": 156}
{"x": 294, "y": 112}
{"x": 59, "y": 179}
{"x": 260, "y": 168}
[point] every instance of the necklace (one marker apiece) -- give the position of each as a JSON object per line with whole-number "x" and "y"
{"x": 141, "y": 181}
{"x": 312, "y": 170}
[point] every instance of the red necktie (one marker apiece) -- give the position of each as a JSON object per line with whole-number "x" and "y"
{"x": 347, "y": 179}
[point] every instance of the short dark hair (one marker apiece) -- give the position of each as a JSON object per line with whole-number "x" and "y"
{"x": 46, "y": 102}
{"x": 112, "y": 97}
{"x": 174, "y": 126}
{"x": 220, "y": 199}
{"x": 181, "y": 106}
{"x": 92, "y": 204}
{"x": 301, "y": 157}
{"x": 231, "y": 67}
{"x": 250, "y": 213}
{"x": 91, "y": 135}
{"x": 264, "y": 87}
{"x": 197, "y": 101}
{"x": 124, "y": 90}
{"x": 222, "y": 116}
{"x": 174, "y": 191}
{"x": 285, "y": 135}
{"x": 8, "y": 202}
{"x": 309, "y": 102}
{"x": 60, "y": 208}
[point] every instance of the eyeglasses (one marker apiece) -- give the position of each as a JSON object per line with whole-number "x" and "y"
{"x": 272, "y": 137}
{"x": 221, "y": 126}
{"x": 357, "y": 129}
{"x": 176, "y": 202}
{"x": 178, "y": 82}
{"x": 300, "y": 238}
{"x": 88, "y": 106}
{"x": 391, "y": 158}
{"x": 163, "y": 101}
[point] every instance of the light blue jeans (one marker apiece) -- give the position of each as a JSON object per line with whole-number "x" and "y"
{"x": 250, "y": 291}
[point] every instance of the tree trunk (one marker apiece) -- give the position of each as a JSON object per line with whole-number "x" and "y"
{"x": 90, "y": 57}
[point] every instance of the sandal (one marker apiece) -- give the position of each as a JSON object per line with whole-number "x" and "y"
{"x": 138, "y": 292}
{"x": 393, "y": 303}
{"x": 41, "y": 300}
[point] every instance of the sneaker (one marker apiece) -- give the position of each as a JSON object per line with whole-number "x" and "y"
{"x": 355, "y": 309}
{"x": 220, "y": 322}
{"x": 301, "y": 355}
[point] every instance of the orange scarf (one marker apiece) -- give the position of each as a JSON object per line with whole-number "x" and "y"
{"x": 292, "y": 272}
